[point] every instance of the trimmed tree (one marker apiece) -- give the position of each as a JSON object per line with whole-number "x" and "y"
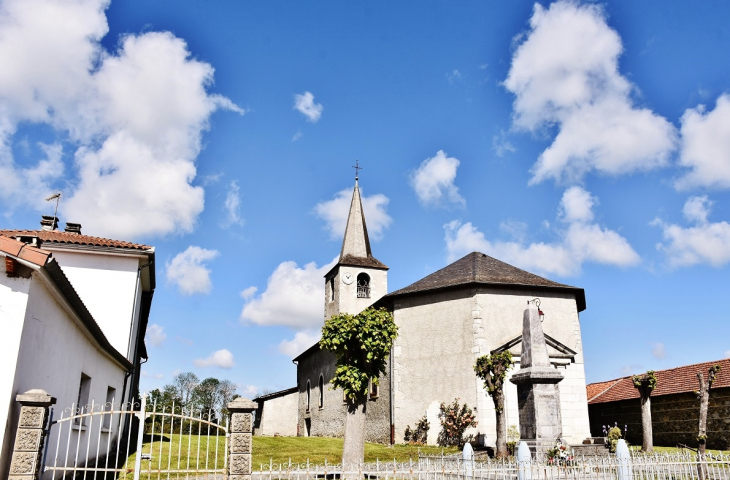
{"x": 646, "y": 384}
{"x": 361, "y": 344}
{"x": 703, "y": 394}
{"x": 492, "y": 369}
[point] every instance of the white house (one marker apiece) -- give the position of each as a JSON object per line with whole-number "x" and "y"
{"x": 74, "y": 311}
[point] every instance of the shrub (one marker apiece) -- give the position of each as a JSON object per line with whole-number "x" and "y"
{"x": 513, "y": 436}
{"x": 614, "y": 435}
{"x": 455, "y": 419}
{"x": 418, "y": 436}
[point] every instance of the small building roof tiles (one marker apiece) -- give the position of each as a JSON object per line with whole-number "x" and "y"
{"x": 69, "y": 238}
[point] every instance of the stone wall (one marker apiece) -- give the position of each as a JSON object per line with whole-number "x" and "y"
{"x": 277, "y": 415}
{"x": 329, "y": 420}
{"x": 675, "y": 419}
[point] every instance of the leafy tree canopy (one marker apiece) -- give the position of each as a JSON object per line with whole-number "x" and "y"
{"x": 361, "y": 344}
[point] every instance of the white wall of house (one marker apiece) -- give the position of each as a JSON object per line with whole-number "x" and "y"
{"x": 106, "y": 284}
{"x": 54, "y": 351}
{"x": 13, "y": 303}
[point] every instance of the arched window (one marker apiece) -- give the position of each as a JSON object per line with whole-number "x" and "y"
{"x": 309, "y": 394}
{"x": 363, "y": 285}
{"x": 321, "y": 391}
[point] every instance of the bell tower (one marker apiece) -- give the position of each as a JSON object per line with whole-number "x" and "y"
{"x": 359, "y": 279}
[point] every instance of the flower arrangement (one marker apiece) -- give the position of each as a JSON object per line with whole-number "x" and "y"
{"x": 560, "y": 455}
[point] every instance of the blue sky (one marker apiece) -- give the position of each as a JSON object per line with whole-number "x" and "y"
{"x": 587, "y": 142}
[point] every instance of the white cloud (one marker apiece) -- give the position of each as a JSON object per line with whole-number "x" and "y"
{"x": 453, "y": 76}
{"x": 248, "y": 391}
{"x": 433, "y": 180}
{"x": 136, "y": 116}
{"x": 702, "y": 243}
{"x": 706, "y": 146}
{"x": 249, "y": 292}
{"x": 233, "y": 205}
{"x": 293, "y": 297}
{"x": 156, "y": 376}
{"x": 304, "y": 103}
{"x": 297, "y": 136}
{"x": 580, "y": 241}
{"x": 188, "y": 272}
{"x": 155, "y": 334}
{"x": 301, "y": 341}
{"x": 335, "y": 211}
{"x": 658, "y": 351}
{"x": 565, "y": 73}
{"x": 501, "y": 145}
{"x": 220, "y": 358}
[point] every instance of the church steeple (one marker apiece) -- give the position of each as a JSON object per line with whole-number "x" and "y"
{"x": 356, "y": 242}
{"x": 358, "y": 279}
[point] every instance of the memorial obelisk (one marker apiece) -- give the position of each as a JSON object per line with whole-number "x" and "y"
{"x": 537, "y": 381}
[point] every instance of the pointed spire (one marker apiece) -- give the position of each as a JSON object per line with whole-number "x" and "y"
{"x": 356, "y": 242}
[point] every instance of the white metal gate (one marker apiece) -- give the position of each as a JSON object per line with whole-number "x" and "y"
{"x": 133, "y": 441}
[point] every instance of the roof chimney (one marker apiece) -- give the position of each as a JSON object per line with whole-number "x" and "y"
{"x": 49, "y": 223}
{"x": 73, "y": 228}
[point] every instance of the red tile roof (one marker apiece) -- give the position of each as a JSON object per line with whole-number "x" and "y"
{"x": 675, "y": 380}
{"x": 23, "y": 251}
{"x": 60, "y": 237}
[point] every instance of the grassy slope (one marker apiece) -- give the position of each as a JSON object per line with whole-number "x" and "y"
{"x": 270, "y": 449}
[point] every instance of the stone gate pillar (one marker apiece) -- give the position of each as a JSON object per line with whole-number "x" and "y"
{"x": 240, "y": 442}
{"x": 30, "y": 435}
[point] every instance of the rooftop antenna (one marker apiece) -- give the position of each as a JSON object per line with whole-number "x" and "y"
{"x": 357, "y": 168}
{"x": 57, "y": 198}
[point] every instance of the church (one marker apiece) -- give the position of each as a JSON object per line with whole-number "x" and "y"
{"x": 446, "y": 320}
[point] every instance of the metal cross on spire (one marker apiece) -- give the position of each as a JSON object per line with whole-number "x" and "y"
{"x": 357, "y": 168}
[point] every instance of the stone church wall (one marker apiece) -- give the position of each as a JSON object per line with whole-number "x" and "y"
{"x": 675, "y": 419}
{"x": 329, "y": 420}
{"x": 441, "y": 335}
{"x": 277, "y": 416}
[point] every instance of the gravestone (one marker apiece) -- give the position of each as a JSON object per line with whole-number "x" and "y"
{"x": 538, "y": 397}
{"x": 467, "y": 456}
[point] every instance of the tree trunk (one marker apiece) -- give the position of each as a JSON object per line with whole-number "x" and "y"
{"x": 647, "y": 442}
{"x": 501, "y": 451}
{"x": 704, "y": 394}
{"x": 353, "y": 450}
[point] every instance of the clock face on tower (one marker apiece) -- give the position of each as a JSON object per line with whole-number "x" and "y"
{"x": 347, "y": 278}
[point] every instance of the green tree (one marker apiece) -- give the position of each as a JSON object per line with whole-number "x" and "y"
{"x": 645, "y": 384}
{"x": 185, "y": 383}
{"x": 207, "y": 398}
{"x": 361, "y": 344}
{"x": 492, "y": 369}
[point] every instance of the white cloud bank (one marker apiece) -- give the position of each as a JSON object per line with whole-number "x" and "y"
{"x": 136, "y": 115}
{"x": 294, "y": 297}
{"x": 706, "y": 146}
{"x": 334, "y": 212}
{"x": 581, "y": 240}
{"x": 433, "y": 181}
{"x": 220, "y": 358}
{"x": 304, "y": 103}
{"x": 659, "y": 351}
{"x": 155, "y": 334}
{"x": 702, "y": 243}
{"x": 565, "y": 74}
{"x": 301, "y": 341}
{"x": 188, "y": 271}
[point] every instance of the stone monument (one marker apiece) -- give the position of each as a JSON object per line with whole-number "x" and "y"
{"x": 537, "y": 380}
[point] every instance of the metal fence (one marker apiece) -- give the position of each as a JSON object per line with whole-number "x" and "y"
{"x": 639, "y": 467}
{"x": 132, "y": 441}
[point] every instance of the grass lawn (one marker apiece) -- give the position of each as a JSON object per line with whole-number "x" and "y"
{"x": 674, "y": 450}
{"x": 266, "y": 449}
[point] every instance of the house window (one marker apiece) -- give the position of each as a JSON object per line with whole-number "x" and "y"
{"x": 332, "y": 289}
{"x": 373, "y": 390}
{"x": 111, "y": 394}
{"x": 309, "y": 394}
{"x": 321, "y": 391}
{"x": 363, "y": 285}
{"x": 83, "y": 398}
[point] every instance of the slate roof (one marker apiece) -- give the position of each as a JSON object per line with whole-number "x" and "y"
{"x": 672, "y": 381}
{"x": 368, "y": 261}
{"x": 69, "y": 238}
{"x": 481, "y": 269}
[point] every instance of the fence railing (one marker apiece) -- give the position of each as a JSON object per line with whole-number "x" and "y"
{"x": 639, "y": 467}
